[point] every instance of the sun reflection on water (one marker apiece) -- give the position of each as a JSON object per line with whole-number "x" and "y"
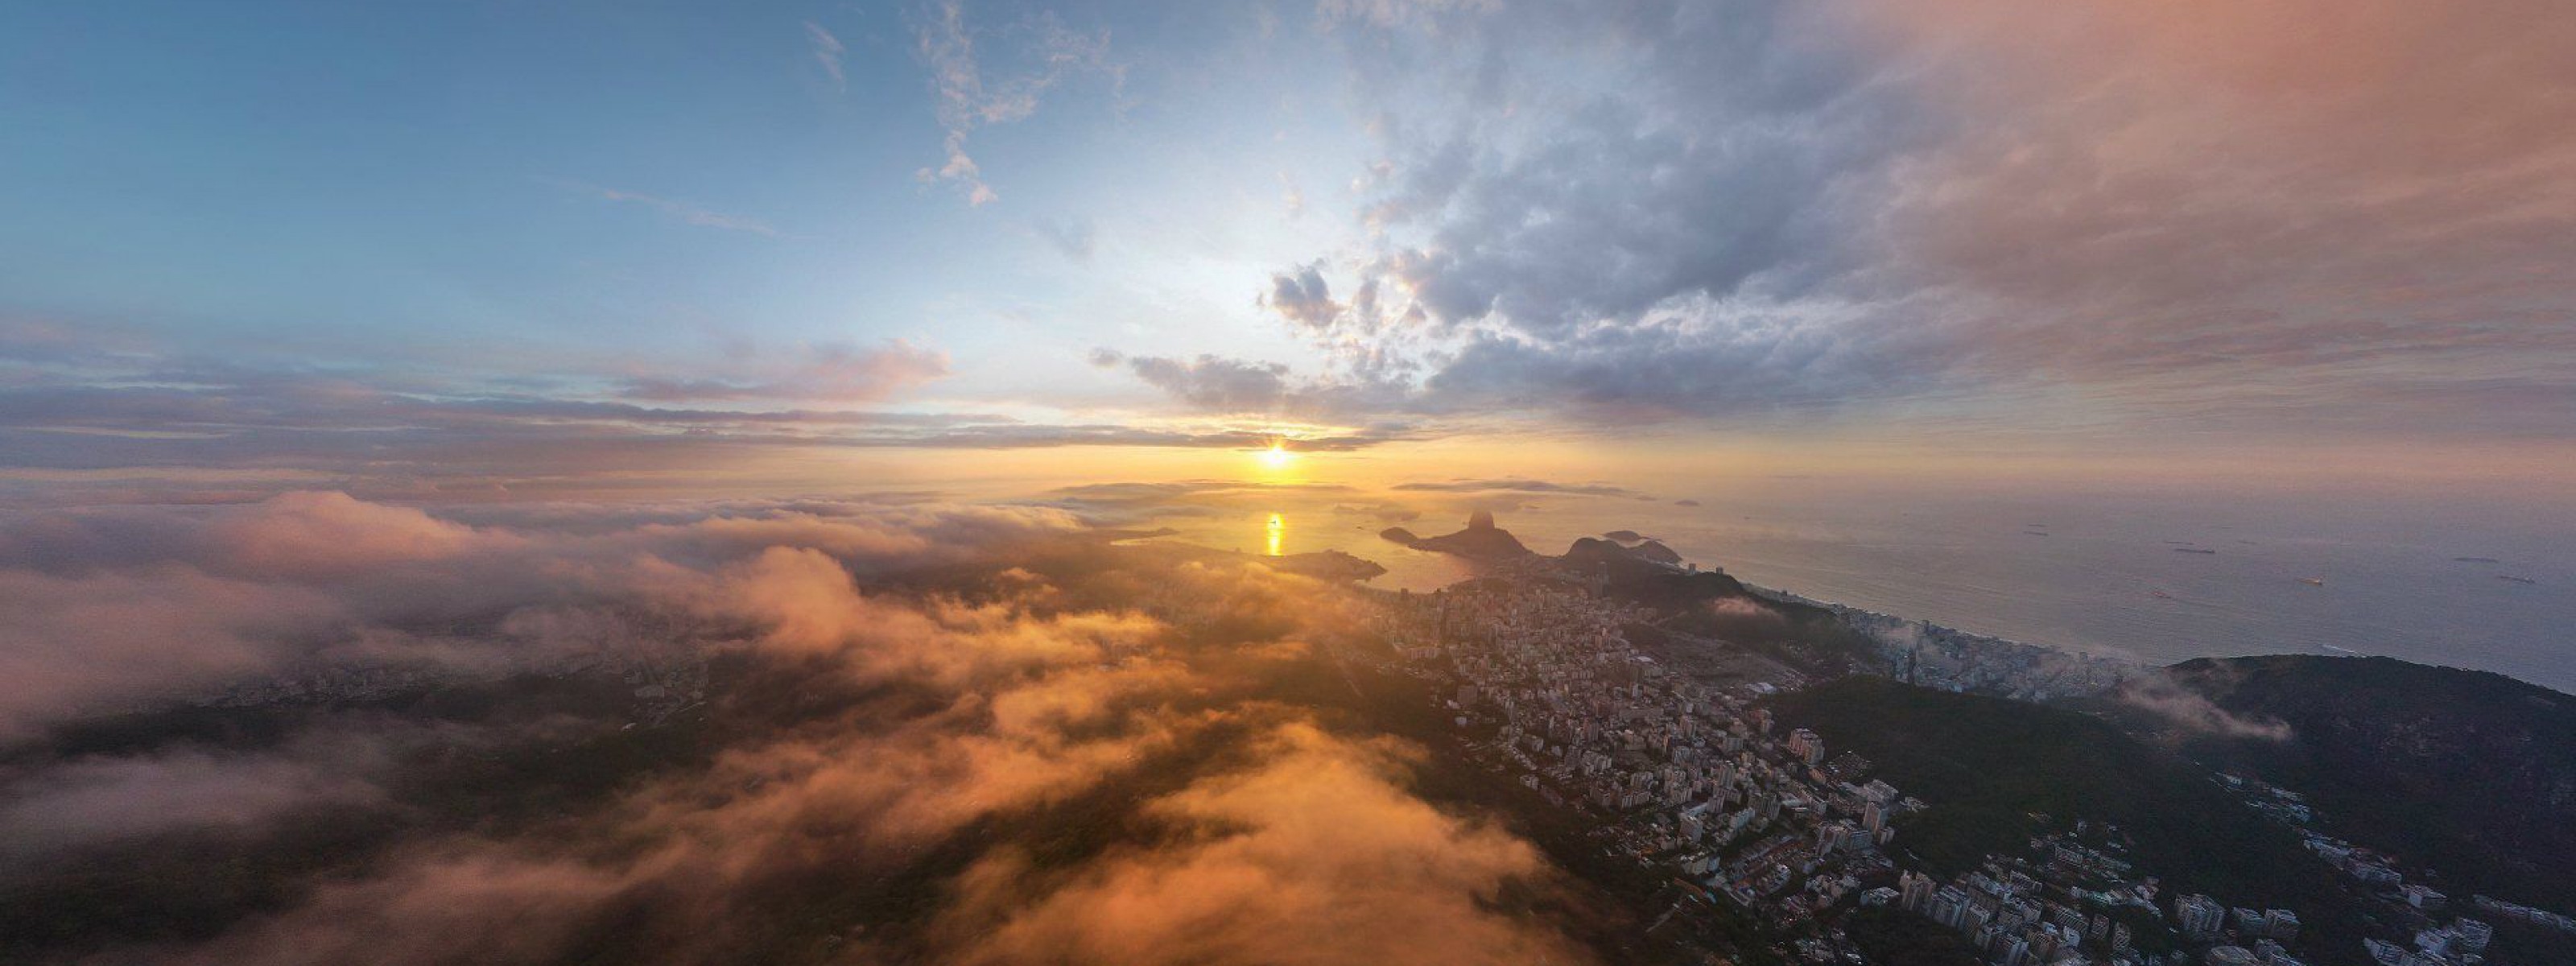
{"x": 1278, "y": 528}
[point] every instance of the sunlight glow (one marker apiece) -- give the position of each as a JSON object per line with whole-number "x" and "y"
{"x": 1278, "y": 456}
{"x": 1278, "y": 531}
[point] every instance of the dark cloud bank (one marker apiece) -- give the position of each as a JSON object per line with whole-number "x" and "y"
{"x": 851, "y": 732}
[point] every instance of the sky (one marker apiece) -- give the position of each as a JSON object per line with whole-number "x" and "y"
{"x": 470, "y": 249}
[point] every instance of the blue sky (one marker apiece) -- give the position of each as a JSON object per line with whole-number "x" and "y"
{"x": 378, "y": 182}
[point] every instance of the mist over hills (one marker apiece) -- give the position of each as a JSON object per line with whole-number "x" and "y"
{"x": 2468, "y": 773}
{"x": 2000, "y": 772}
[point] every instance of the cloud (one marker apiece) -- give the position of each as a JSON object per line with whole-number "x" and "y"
{"x": 1122, "y": 504}
{"x": 1521, "y": 486}
{"x": 97, "y": 418}
{"x": 1215, "y": 383}
{"x": 116, "y": 607}
{"x": 70, "y": 645}
{"x": 914, "y": 692}
{"x": 1744, "y": 609}
{"x": 1221, "y": 384}
{"x": 302, "y": 535}
{"x": 1303, "y": 297}
{"x": 968, "y": 95}
{"x": 827, "y": 50}
{"x": 1757, "y": 211}
{"x": 2188, "y": 711}
{"x": 685, "y": 212}
{"x": 1315, "y": 855}
{"x": 469, "y": 903}
{"x": 1076, "y": 238}
{"x": 96, "y": 799}
{"x": 1384, "y": 512}
{"x": 826, "y": 373}
{"x": 1749, "y": 366}
{"x": 327, "y": 534}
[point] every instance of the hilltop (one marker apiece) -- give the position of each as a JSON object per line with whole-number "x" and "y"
{"x": 2470, "y": 773}
{"x": 1996, "y": 772}
{"x": 1482, "y": 541}
{"x": 1587, "y": 549}
{"x": 1712, "y": 605}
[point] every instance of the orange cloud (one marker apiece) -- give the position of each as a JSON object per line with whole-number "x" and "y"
{"x": 1316, "y": 855}
{"x": 865, "y": 734}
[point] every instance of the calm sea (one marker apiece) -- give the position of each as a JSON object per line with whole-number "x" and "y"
{"x": 2158, "y": 579}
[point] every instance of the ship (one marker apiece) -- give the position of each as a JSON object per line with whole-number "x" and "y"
{"x": 2313, "y": 581}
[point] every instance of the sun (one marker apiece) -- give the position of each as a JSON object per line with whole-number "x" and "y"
{"x": 1278, "y": 456}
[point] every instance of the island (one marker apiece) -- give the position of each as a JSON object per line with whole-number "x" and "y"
{"x": 1482, "y": 541}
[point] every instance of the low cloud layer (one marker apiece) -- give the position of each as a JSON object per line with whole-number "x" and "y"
{"x": 1319, "y": 856}
{"x": 908, "y": 707}
{"x": 103, "y": 799}
{"x": 112, "y": 606}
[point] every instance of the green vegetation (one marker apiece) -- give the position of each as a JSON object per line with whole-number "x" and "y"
{"x": 1711, "y": 604}
{"x": 1996, "y": 772}
{"x": 2470, "y": 773}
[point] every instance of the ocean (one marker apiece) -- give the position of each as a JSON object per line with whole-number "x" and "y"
{"x": 2155, "y": 579}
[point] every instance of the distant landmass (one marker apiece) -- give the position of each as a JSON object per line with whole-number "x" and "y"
{"x": 1691, "y": 606}
{"x": 1588, "y": 549}
{"x": 1482, "y": 541}
{"x": 1696, "y": 605}
{"x": 1327, "y": 565}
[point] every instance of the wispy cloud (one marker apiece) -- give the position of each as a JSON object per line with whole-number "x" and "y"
{"x": 1523, "y": 486}
{"x": 827, "y": 53}
{"x": 1076, "y": 237}
{"x": 830, "y": 374}
{"x": 685, "y": 212}
{"x": 92, "y": 417}
{"x": 969, "y": 96}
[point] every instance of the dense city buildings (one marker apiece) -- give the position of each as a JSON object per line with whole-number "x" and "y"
{"x": 1695, "y": 777}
